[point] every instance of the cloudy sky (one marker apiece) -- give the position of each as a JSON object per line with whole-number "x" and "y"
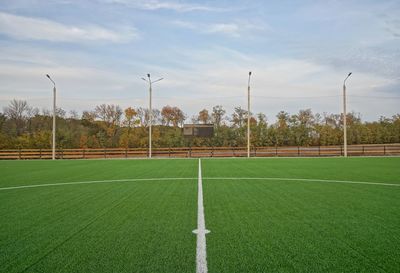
{"x": 299, "y": 53}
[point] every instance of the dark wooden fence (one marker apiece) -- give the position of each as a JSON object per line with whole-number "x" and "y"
{"x": 323, "y": 151}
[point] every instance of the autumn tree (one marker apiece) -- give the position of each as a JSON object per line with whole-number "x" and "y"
{"x": 301, "y": 127}
{"x": 259, "y": 134}
{"x": 204, "y": 116}
{"x": 282, "y": 128}
{"x": 22, "y": 126}
{"x": 110, "y": 115}
{"x": 239, "y": 117}
{"x": 16, "y": 112}
{"x": 166, "y": 115}
{"x": 172, "y": 115}
{"x": 130, "y": 121}
{"x": 130, "y": 118}
{"x": 143, "y": 115}
{"x": 218, "y": 115}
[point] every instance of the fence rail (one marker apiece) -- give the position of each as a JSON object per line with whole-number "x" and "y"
{"x": 271, "y": 151}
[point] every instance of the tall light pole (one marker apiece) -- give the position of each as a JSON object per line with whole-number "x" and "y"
{"x": 345, "y": 116}
{"x": 54, "y": 118}
{"x": 248, "y": 116}
{"x": 150, "y": 108}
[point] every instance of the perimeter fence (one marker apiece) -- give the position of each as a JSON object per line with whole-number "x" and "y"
{"x": 187, "y": 152}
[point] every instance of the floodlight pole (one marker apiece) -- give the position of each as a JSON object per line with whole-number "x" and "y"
{"x": 248, "y": 116}
{"x": 150, "y": 108}
{"x": 345, "y": 117}
{"x": 150, "y": 114}
{"x": 54, "y": 119}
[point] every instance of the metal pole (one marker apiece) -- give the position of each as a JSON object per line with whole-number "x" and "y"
{"x": 344, "y": 122}
{"x": 345, "y": 117}
{"x": 248, "y": 116}
{"x": 150, "y": 118}
{"x": 150, "y": 108}
{"x": 54, "y": 118}
{"x": 54, "y": 123}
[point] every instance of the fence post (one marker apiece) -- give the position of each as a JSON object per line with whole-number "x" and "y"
{"x": 255, "y": 151}
{"x": 40, "y": 153}
{"x": 341, "y": 150}
{"x": 363, "y": 150}
{"x": 169, "y": 151}
{"x": 190, "y": 151}
{"x": 105, "y": 153}
{"x": 384, "y": 149}
{"x": 62, "y": 153}
{"x": 276, "y": 150}
{"x": 212, "y": 151}
{"x": 298, "y": 150}
{"x": 19, "y": 153}
{"x": 319, "y": 150}
{"x": 126, "y": 152}
{"x": 83, "y": 153}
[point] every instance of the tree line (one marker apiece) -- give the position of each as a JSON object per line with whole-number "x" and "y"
{"x": 108, "y": 125}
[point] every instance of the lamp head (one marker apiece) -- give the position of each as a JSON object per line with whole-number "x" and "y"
{"x": 47, "y": 75}
{"x": 249, "y": 73}
{"x": 148, "y": 75}
{"x": 349, "y": 74}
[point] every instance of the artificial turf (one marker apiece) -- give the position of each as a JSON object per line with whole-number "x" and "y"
{"x": 137, "y": 226}
{"x": 146, "y": 226}
{"x": 303, "y": 226}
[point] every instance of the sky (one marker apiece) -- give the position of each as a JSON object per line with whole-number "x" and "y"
{"x": 299, "y": 53}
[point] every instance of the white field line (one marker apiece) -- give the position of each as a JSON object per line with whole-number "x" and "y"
{"x": 190, "y": 178}
{"x": 201, "y": 255}
{"x": 302, "y": 180}
{"x": 96, "y": 181}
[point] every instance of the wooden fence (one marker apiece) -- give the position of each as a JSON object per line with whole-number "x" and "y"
{"x": 272, "y": 151}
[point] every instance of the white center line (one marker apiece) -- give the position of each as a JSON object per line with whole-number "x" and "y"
{"x": 201, "y": 255}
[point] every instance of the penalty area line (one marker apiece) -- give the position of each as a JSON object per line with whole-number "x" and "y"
{"x": 191, "y": 178}
{"x": 95, "y": 182}
{"x": 303, "y": 180}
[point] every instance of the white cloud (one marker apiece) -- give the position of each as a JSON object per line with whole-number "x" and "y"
{"x": 168, "y": 5}
{"x": 29, "y": 28}
{"x": 220, "y": 77}
{"x": 234, "y": 29}
{"x": 184, "y": 24}
{"x": 216, "y": 76}
{"x": 393, "y": 27}
{"x": 229, "y": 29}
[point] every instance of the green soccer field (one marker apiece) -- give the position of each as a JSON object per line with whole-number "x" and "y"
{"x": 265, "y": 215}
